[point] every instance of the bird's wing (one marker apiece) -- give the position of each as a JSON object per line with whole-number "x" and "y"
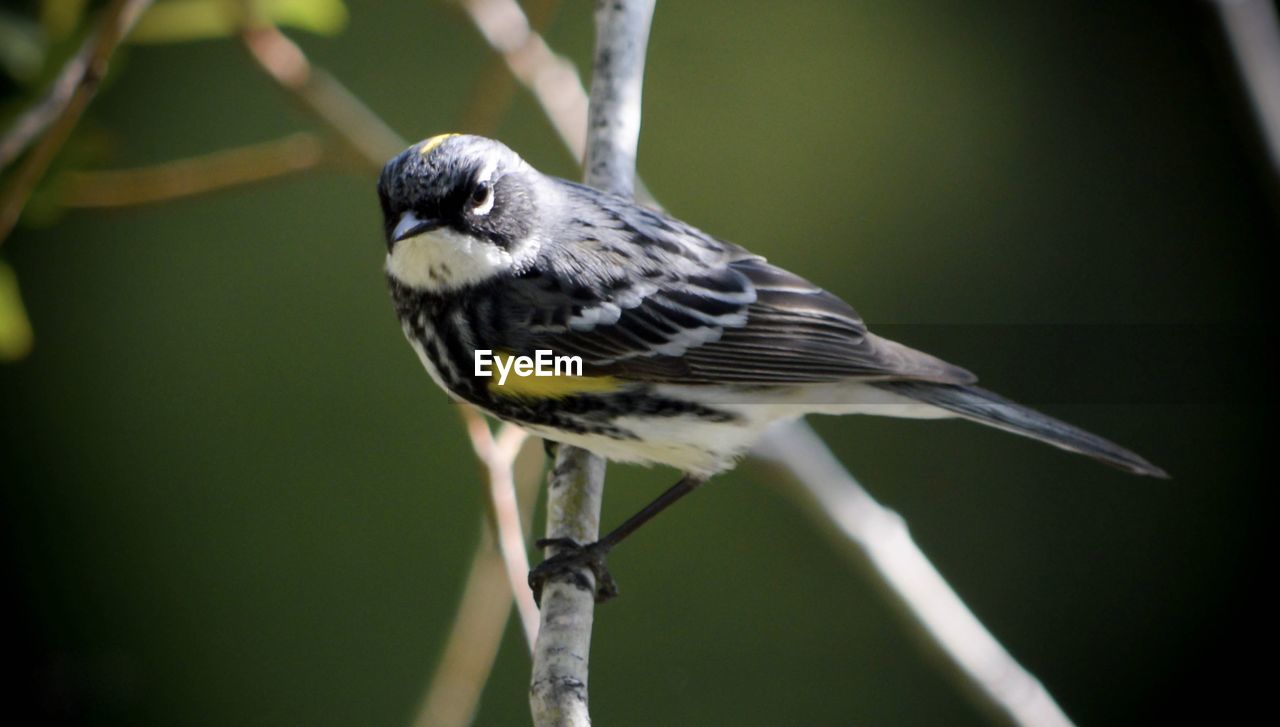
{"x": 674, "y": 305}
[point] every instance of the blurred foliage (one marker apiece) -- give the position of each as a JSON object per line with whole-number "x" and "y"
{"x": 15, "y": 329}
{"x": 182, "y": 20}
{"x": 234, "y": 497}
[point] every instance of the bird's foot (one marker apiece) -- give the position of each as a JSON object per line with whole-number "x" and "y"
{"x": 573, "y": 559}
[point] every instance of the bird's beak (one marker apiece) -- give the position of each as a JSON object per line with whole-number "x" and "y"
{"x": 411, "y": 225}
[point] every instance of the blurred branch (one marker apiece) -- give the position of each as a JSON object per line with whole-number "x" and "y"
{"x": 212, "y": 172}
{"x": 806, "y": 469}
{"x": 832, "y": 495}
{"x": 558, "y": 686}
{"x": 498, "y": 455}
{"x": 495, "y": 85}
{"x": 551, "y": 78}
{"x": 86, "y": 68}
{"x": 472, "y": 645}
{"x": 1253, "y": 32}
{"x": 57, "y": 115}
{"x": 368, "y": 137}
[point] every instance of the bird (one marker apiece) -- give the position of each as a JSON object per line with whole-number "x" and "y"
{"x": 687, "y": 346}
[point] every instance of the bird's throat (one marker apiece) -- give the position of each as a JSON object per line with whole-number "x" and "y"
{"x": 444, "y": 259}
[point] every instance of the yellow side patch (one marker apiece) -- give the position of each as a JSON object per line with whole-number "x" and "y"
{"x": 546, "y": 387}
{"x": 553, "y": 387}
{"x": 430, "y": 144}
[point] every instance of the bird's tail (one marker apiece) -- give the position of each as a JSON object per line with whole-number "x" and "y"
{"x": 983, "y": 406}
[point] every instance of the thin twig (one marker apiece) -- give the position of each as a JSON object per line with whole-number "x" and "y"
{"x": 552, "y": 78}
{"x": 495, "y": 86}
{"x": 219, "y": 170}
{"x": 498, "y": 455}
{"x": 57, "y": 115}
{"x": 324, "y": 96}
{"x": 558, "y": 104}
{"x": 87, "y": 66}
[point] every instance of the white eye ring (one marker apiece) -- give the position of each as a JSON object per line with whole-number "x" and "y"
{"x": 482, "y": 199}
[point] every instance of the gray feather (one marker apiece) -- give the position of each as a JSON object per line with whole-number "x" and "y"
{"x": 643, "y": 296}
{"x": 980, "y": 405}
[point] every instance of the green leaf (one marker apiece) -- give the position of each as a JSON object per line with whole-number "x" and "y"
{"x": 15, "y": 330}
{"x": 322, "y": 17}
{"x": 184, "y": 20}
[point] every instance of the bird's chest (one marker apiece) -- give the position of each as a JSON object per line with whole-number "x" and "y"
{"x": 440, "y": 333}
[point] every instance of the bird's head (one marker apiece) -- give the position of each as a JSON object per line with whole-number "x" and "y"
{"x": 456, "y": 211}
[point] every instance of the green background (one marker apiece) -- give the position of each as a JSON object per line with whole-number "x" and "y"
{"x": 233, "y": 497}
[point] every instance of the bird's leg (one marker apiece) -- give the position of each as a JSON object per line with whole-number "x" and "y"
{"x": 575, "y": 556}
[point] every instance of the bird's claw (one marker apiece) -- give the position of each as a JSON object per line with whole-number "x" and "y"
{"x": 572, "y": 559}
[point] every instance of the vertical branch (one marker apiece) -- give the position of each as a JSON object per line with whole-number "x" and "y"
{"x": 558, "y": 687}
{"x": 613, "y": 116}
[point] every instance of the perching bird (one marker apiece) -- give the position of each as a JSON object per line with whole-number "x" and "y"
{"x": 689, "y": 345}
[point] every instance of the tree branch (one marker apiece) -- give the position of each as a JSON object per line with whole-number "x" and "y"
{"x": 551, "y": 78}
{"x": 498, "y": 455}
{"x": 224, "y": 169}
{"x": 57, "y": 115}
{"x": 368, "y": 137}
{"x": 613, "y": 116}
{"x": 558, "y": 687}
{"x": 495, "y": 85}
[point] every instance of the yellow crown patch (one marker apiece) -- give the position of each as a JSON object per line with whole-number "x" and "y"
{"x": 430, "y": 144}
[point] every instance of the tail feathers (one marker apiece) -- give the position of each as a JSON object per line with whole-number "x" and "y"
{"x": 983, "y": 406}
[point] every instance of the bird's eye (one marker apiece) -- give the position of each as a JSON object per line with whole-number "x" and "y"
{"x": 482, "y": 197}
